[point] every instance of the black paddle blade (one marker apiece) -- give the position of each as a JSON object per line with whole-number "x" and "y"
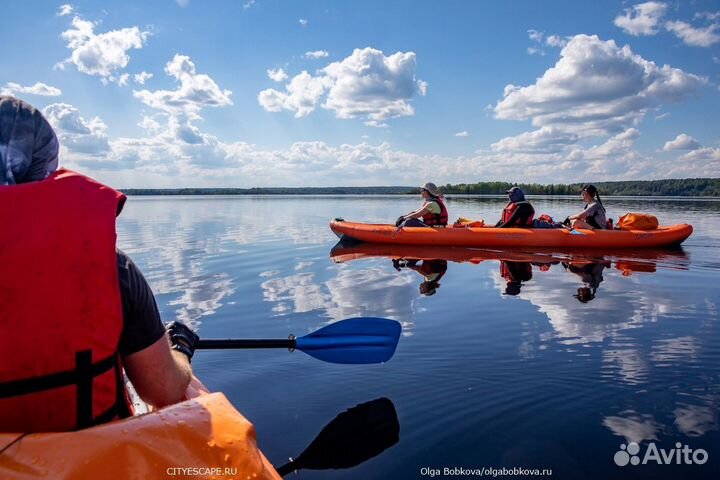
{"x": 353, "y": 437}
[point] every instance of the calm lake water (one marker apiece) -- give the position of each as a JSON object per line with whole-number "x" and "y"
{"x": 537, "y": 362}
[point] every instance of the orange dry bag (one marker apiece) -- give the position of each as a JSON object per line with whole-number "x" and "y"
{"x": 637, "y": 221}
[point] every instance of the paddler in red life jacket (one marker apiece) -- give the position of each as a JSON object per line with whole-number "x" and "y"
{"x": 518, "y": 212}
{"x": 433, "y": 212}
{"x": 74, "y": 311}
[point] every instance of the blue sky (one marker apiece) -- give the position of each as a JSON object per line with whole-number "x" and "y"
{"x": 270, "y": 93}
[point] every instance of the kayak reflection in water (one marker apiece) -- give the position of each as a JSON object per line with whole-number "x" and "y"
{"x": 431, "y": 270}
{"x": 591, "y": 275}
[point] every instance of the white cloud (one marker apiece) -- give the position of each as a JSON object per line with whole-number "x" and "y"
{"x": 541, "y": 41}
{"x": 422, "y": 87}
{"x": 681, "y": 142}
{"x": 704, "y": 154}
{"x": 695, "y": 37}
{"x": 303, "y": 22}
{"x": 77, "y": 135}
{"x": 464, "y": 133}
{"x": 316, "y": 54}
{"x": 278, "y": 75}
{"x": 642, "y": 19}
{"x": 183, "y": 3}
{"x": 710, "y": 16}
{"x": 39, "y": 89}
{"x": 101, "y": 54}
{"x": 195, "y": 92}
{"x": 543, "y": 140}
{"x": 248, "y": 4}
{"x": 142, "y": 77}
{"x": 367, "y": 84}
{"x": 556, "y": 41}
{"x": 596, "y": 88}
{"x": 662, "y": 116}
{"x": 65, "y": 9}
{"x": 301, "y": 95}
{"x": 122, "y": 79}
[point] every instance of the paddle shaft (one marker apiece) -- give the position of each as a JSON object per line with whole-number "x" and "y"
{"x": 226, "y": 343}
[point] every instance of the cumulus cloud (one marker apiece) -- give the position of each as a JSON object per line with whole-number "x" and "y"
{"x": 316, "y": 54}
{"x": 278, "y": 75}
{"x": 367, "y": 84}
{"x": 464, "y": 133}
{"x": 542, "y": 41}
{"x": 101, "y": 54}
{"x": 704, "y": 154}
{"x": 543, "y": 140}
{"x": 681, "y": 142}
{"x": 642, "y": 19}
{"x": 142, "y": 77}
{"x": 303, "y": 22}
{"x": 695, "y": 37}
{"x": 596, "y": 88}
{"x": 39, "y": 89}
{"x": 65, "y": 9}
{"x": 248, "y": 4}
{"x": 76, "y": 134}
{"x": 301, "y": 95}
{"x": 196, "y": 91}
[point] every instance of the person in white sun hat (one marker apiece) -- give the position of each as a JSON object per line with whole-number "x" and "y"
{"x": 432, "y": 214}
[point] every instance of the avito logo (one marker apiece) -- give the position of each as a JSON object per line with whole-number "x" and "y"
{"x": 680, "y": 455}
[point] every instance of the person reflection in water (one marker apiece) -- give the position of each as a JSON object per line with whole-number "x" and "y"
{"x": 431, "y": 270}
{"x": 514, "y": 274}
{"x": 591, "y": 275}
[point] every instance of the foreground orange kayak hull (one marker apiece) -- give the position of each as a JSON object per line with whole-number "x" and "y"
{"x": 511, "y": 237}
{"x": 204, "y": 433}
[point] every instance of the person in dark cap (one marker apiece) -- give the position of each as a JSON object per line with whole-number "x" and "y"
{"x": 518, "y": 212}
{"x": 74, "y": 311}
{"x": 593, "y": 215}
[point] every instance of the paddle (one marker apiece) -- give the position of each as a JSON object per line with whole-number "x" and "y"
{"x": 354, "y": 436}
{"x": 355, "y": 340}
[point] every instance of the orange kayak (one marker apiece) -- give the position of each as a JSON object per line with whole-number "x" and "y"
{"x": 511, "y": 237}
{"x": 203, "y": 437}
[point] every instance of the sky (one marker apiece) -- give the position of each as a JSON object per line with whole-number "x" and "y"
{"x": 244, "y": 93}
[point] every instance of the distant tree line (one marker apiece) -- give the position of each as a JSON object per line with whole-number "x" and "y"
{"x": 698, "y": 187}
{"x": 271, "y": 191}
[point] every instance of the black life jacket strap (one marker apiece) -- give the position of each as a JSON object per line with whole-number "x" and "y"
{"x": 82, "y": 377}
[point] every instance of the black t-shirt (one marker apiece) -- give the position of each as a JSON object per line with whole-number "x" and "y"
{"x": 142, "y": 325}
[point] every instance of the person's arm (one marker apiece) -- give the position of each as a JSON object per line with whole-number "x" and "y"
{"x": 160, "y": 375}
{"x": 417, "y": 213}
{"x": 588, "y": 212}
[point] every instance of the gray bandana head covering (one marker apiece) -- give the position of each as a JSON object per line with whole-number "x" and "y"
{"x": 28, "y": 145}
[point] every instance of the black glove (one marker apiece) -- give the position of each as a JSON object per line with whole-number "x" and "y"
{"x": 566, "y": 222}
{"x": 399, "y": 221}
{"x": 396, "y": 264}
{"x": 182, "y": 338}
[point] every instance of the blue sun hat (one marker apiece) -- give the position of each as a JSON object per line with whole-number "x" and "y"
{"x": 28, "y": 144}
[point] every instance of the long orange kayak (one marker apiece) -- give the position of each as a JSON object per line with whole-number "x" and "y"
{"x": 511, "y": 237}
{"x": 203, "y": 437}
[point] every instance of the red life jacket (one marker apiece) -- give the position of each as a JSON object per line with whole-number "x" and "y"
{"x": 436, "y": 219}
{"x": 60, "y": 307}
{"x": 510, "y": 208}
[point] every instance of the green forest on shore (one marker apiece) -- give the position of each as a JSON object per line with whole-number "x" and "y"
{"x": 694, "y": 187}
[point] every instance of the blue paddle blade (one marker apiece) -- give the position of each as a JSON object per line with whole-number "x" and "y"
{"x": 356, "y": 340}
